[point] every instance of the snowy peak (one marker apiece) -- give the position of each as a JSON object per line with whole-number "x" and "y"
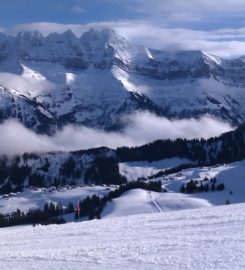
{"x": 105, "y": 47}
{"x": 98, "y": 35}
{"x": 35, "y": 38}
{"x": 66, "y": 39}
{"x": 97, "y": 48}
{"x": 177, "y": 65}
{"x": 211, "y": 59}
{"x": 104, "y": 38}
{"x": 198, "y": 57}
{"x": 29, "y": 38}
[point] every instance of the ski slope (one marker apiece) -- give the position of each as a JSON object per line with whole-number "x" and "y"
{"x": 140, "y": 201}
{"x": 206, "y": 238}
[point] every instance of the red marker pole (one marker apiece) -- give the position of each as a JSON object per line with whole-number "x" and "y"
{"x": 78, "y": 209}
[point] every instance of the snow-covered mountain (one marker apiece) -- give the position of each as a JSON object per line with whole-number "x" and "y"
{"x": 95, "y": 80}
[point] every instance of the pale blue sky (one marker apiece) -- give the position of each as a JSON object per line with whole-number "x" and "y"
{"x": 194, "y": 14}
{"x": 14, "y": 12}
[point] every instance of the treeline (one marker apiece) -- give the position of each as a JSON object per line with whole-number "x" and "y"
{"x": 51, "y": 214}
{"x": 202, "y": 186}
{"x": 93, "y": 206}
{"x": 227, "y": 148}
{"x": 174, "y": 170}
{"x": 102, "y": 170}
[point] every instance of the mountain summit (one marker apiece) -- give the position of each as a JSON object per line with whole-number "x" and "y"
{"x": 96, "y": 79}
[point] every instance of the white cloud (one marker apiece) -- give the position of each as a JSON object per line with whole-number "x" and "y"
{"x": 24, "y": 82}
{"x": 143, "y": 128}
{"x": 146, "y": 127}
{"x": 77, "y": 9}
{"x": 222, "y": 42}
{"x": 15, "y": 139}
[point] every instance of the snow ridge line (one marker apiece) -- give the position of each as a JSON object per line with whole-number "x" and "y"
{"x": 154, "y": 202}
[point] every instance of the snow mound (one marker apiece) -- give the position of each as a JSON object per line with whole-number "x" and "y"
{"x": 133, "y": 202}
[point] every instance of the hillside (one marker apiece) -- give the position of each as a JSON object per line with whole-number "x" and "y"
{"x": 105, "y": 166}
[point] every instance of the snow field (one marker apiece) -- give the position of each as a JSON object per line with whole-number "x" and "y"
{"x": 206, "y": 238}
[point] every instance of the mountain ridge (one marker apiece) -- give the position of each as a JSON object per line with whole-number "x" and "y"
{"x": 47, "y": 82}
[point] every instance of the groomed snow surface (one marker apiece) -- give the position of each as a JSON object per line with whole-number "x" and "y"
{"x": 206, "y": 238}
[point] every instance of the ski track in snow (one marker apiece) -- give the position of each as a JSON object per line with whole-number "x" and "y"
{"x": 155, "y": 202}
{"x": 206, "y": 238}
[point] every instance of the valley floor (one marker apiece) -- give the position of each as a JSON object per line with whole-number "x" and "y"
{"x": 204, "y": 238}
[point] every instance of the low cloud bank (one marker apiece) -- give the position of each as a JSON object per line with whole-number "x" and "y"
{"x": 142, "y": 128}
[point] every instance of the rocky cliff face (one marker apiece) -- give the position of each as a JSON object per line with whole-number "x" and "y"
{"x": 95, "y": 80}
